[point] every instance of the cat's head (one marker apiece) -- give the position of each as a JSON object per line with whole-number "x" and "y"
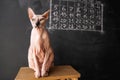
{"x": 37, "y": 20}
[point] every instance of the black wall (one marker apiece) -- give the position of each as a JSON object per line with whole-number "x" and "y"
{"x": 94, "y": 55}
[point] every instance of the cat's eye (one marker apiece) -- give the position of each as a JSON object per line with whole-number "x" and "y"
{"x": 33, "y": 19}
{"x": 42, "y": 19}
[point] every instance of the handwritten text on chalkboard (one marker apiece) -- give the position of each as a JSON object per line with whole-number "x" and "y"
{"x": 84, "y": 15}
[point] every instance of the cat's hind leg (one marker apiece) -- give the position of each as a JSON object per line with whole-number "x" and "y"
{"x": 30, "y": 60}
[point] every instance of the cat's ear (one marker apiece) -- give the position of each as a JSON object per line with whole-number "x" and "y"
{"x": 30, "y": 13}
{"x": 46, "y": 14}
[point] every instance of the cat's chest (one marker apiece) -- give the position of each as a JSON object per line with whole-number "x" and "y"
{"x": 36, "y": 36}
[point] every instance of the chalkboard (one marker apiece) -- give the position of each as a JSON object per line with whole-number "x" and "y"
{"x": 84, "y": 15}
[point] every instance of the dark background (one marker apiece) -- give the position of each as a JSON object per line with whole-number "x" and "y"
{"x": 96, "y": 56}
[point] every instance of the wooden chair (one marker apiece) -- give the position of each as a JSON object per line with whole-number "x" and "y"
{"x": 65, "y": 72}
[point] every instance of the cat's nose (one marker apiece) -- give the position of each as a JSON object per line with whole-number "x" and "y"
{"x": 38, "y": 23}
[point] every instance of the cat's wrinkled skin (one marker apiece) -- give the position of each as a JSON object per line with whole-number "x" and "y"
{"x": 40, "y": 53}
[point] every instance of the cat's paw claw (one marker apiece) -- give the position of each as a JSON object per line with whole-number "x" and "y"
{"x": 37, "y": 74}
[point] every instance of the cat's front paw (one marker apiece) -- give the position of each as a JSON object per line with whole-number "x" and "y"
{"x": 44, "y": 74}
{"x": 37, "y": 74}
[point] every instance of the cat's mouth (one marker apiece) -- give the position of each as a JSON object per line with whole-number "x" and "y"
{"x": 38, "y": 22}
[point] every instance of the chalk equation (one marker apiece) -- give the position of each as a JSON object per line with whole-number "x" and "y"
{"x": 84, "y": 15}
